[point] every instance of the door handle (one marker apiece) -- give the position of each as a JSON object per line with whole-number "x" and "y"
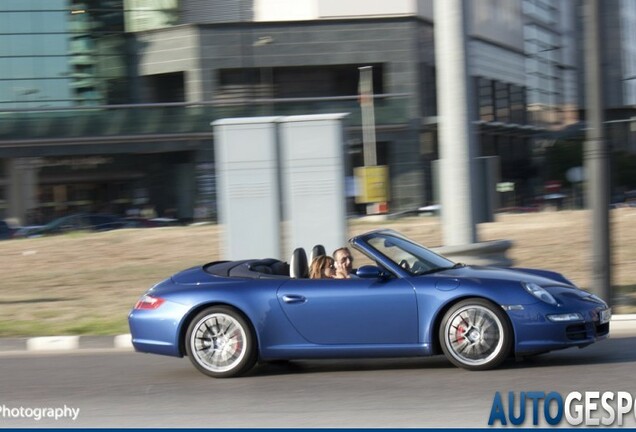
{"x": 294, "y": 298}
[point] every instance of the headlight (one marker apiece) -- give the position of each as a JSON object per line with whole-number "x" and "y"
{"x": 575, "y": 316}
{"x": 539, "y": 292}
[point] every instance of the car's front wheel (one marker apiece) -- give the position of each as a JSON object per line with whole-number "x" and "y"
{"x": 475, "y": 334}
{"x": 220, "y": 342}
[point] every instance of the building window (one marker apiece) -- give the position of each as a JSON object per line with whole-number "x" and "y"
{"x": 294, "y": 82}
{"x": 165, "y": 88}
{"x": 485, "y": 100}
{"x": 429, "y": 90}
{"x": 517, "y": 105}
{"x": 502, "y": 102}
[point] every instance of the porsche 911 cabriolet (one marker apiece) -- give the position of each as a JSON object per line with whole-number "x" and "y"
{"x": 227, "y": 315}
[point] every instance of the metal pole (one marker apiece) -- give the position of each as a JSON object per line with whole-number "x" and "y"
{"x": 456, "y": 138}
{"x": 596, "y": 155}
{"x": 368, "y": 115}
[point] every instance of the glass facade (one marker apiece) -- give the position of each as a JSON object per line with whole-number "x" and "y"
{"x": 500, "y": 102}
{"x": 628, "y": 35}
{"x": 545, "y": 92}
{"x": 59, "y": 53}
{"x": 97, "y": 50}
{"x": 541, "y": 10}
{"x": 150, "y": 14}
{"x": 34, "y": 54}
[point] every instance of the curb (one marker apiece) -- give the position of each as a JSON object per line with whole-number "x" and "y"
{"x": 620, "y": 323}
{"x": 624, "y": 317}
{"x": 623, "y": 323}
{"x": 66, "y": 343}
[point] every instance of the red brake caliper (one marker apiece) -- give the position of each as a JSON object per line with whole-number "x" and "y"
{"x": 460, "y": 333}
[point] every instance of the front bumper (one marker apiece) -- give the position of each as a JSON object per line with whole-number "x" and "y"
{"x": 535, "y": 333}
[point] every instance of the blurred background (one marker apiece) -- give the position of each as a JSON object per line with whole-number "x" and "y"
{"x": 105, "y": 123}
{"x": 105, "y": 105}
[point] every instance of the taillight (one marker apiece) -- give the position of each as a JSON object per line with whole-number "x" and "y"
{"x": 149, "y": 302}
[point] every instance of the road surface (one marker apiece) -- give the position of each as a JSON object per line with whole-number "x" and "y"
{"x": 125, "y": 389}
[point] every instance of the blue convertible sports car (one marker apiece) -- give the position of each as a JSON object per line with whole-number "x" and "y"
{"x": 226, "y": 315}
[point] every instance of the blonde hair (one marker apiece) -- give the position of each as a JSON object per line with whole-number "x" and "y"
{"x": 319, "y": 264}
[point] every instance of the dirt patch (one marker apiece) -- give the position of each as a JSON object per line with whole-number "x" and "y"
{"x": 87, "y": 283}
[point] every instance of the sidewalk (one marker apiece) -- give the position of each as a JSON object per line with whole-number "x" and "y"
{"x": 620, "y": 325}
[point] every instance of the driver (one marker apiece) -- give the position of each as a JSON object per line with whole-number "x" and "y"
{"x": 344, "y": 263}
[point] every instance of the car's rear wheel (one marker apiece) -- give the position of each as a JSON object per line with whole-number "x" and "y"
{"x": 475, "y": 334}
{"x": 220, "y": 342}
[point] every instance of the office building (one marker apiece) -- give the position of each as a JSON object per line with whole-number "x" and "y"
{"x": 200, "y": 60}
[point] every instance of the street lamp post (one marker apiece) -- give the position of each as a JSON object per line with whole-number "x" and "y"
{"x": 368, "y": 115}
{"x": 266, "y": 76}
{"x": 596, "y": 156}
{"x": 457, "y": 144}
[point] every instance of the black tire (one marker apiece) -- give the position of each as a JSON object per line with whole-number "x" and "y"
{"x": 475, "y": 334}
{"x": 220, "y": 342}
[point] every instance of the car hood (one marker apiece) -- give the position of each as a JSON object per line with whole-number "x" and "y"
{"x": 557, "y": 285}
{"x": 543, "y": 278}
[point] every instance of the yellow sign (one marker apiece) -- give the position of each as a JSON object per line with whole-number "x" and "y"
{"x": 373, "y": 183}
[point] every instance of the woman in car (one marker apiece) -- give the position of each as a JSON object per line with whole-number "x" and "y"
{"x": 322, "y": 267}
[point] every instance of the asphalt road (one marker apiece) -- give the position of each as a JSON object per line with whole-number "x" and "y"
{"x": 125, "y": 389}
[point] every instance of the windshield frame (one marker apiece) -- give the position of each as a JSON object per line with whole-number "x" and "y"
{"x": 421, "y": 260}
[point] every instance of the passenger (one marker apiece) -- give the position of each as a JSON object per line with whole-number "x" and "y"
{"x": 322, "y": 267}
{"x": 344, "y": 263}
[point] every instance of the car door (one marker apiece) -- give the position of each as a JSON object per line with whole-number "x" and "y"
{"x": 351, "y": 311}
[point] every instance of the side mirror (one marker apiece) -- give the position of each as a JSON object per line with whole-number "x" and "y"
{"x": 370, "y": 272}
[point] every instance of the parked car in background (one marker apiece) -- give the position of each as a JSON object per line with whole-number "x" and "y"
{"x": 6, "y": 230}
{"x": 74, "y": 222}
{"x": 142, "y": 222}
{"x": 22, "y": 231}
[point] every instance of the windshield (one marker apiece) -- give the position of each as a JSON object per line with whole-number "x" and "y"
{"x": 415, "y": 259}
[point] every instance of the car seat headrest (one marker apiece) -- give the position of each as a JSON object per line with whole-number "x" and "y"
{"x": 298, "y": 267}
{"x": 317, "y": 251}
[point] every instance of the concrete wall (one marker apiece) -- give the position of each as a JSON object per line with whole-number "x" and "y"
{"x": 497, "y": 63}
{"x": 21, "y": 187}
{"x": 319, "y": 43}
{"x": 499, "y": 21}
{"x": 295, "y": 10}
{"x": 216, "y": 11}
{"x": 175, "y": 49}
